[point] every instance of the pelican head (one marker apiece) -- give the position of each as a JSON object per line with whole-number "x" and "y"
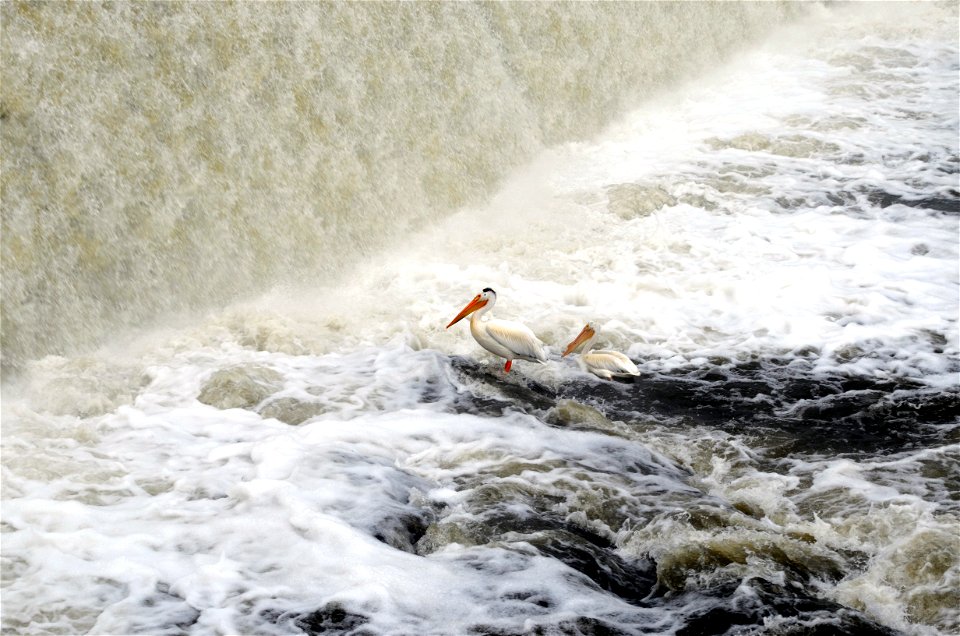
{"x": 586, "y": 335}
{"x": 483, "y": 300}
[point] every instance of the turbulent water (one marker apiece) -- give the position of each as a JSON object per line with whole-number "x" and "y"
{"x": 164, "y": 156}
{"x": 774, "y": 241}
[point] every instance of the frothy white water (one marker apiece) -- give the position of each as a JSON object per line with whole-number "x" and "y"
{"x": 320, "y": 449}
{"x": 199, "y": 514}
{"x": 169, "y": 156}
{"x": 740, "y": 216}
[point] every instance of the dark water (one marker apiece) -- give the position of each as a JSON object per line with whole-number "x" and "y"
{"x": 784, "y": 416}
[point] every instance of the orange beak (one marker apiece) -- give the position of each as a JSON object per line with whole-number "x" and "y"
{"x": 471, "y": 307}
{"x": 585, "y": 334}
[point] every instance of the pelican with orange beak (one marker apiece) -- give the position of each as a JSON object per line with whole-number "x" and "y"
{"x": 603, "y": 364}
{"x": 503, "y": 338}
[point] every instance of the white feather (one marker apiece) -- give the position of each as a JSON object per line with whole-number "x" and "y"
{"x": 516, "y": 338}
{"x": 610, "y": 362}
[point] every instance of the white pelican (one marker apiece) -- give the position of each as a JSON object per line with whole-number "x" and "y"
{"x": 509, "y": 340}
{"x": 604, "y": 364}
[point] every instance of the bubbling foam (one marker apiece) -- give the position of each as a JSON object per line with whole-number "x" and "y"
{"x": 161, "y": 157}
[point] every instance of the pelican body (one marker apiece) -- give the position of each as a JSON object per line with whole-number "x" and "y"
{"x": 509, "y": 340}
{"x": 602, "y": 363}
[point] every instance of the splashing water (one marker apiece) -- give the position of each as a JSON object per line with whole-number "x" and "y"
{"x": 775, "y": 243}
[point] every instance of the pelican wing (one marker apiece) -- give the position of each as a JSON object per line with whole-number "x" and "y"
{"x": 612, "y": 361}
{"x": 518, "y": 339}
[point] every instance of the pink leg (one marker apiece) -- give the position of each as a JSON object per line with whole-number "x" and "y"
{"x": 506, "y": 367}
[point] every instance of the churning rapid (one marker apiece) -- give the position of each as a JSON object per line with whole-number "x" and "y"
{"x": 164, "y": 156}
{"x": 758, "y": 203}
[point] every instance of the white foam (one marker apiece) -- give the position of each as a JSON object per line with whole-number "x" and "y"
{"x": 720, "y": 273}
{"x": 254, "y": 513}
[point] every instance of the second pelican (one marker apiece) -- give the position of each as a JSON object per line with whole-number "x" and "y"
{"x": 503, "y": 338}
{"x": 603, "y": 364}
